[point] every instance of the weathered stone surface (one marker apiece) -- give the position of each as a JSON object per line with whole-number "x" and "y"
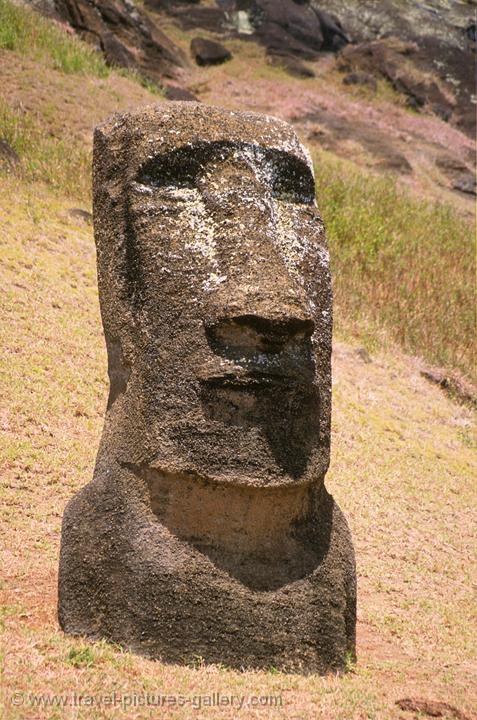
{"x": 431, "y": 708}
{"x": 209, "y": 52}
{"x": 207, "y": 529}
{"x": 80, "y": 214}
{"x": 443, "y": 50}
{"x": 461, "y": 177}
{"x": 284, "y": 27}
{"x": 334, "y": 35}
{"x": 465, "y": 183}
{"x": 192, "y": 15}
{"x": 390, "y": 58}
{"x": 289, "y": 27}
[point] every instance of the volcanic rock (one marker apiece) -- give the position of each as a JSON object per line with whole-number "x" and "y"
{"x": 8, "y": 156}
{"x": 361, "y": 78}
{"x": 209, "y": 52}
{"x": 123, "y": 32}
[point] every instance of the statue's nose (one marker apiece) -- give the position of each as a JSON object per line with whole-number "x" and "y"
{"x": 264, "y": 302}
{"x": 259, "y": 292}
{"x": 258, "y": 333}
{"x": 260, "y": 285}
{"x": 260, "y": 313}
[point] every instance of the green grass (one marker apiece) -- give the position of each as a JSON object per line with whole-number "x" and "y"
{"x": 81, "y": 657}
{"x": 26, "y": 32}
{"x": 403, "y": 269}
{"x": 60, "y": 162}
{"x": 150, "y": 85}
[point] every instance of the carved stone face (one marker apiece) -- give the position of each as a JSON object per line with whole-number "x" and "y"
{"x": 215, "y": 295}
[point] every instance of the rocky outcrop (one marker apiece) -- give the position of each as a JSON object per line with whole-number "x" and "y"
{"x": 284, "y": 27}
{"x": 209, "y": 52}
{"x": 123, "y": 32}
{"x": 191, "y": 14}
{"x": 288, "y": 27}
{"x": 392, "y": 59}
{"x": 443, "y": 38}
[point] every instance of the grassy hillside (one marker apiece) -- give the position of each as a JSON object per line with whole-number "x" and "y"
{"x": 403, "y": 454}
{"x": 30, "y": 34}
{"x": 404, "y": 268}
{"x": 403, "y": 461}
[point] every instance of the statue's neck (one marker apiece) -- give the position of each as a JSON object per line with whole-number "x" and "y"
{"x": 239, "y": 519}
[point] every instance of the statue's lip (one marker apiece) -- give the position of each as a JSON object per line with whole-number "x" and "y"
{"x": 254, "y": 379}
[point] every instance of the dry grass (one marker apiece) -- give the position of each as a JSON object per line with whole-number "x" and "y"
{"x": 59, "y": 105}
{"x": 47, "y": 117}
{"x": 402, "y": 469}
{"x": 403, "y": 454}
{"x": 404, "y": 268}
{"x": 63, "y": 163}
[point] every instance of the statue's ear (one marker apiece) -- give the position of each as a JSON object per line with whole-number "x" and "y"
{"x": 115, "y": 245}
{"x": 119, "y": 369}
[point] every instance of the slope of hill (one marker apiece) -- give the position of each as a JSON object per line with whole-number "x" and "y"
{"x": 377, "y": 233}
{"x": 403, "y": 459}
{"x": 403, "y": 453}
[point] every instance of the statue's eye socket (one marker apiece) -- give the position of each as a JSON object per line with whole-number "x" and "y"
{"x": 179, "y": 171}
{"x": 291, "y": 179}
{"x": 181, "y": 168}
{"x": 293, "y": 182}
{"x": 290, "y": 191}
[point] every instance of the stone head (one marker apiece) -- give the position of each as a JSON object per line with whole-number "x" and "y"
{"x": 215, "y": 296}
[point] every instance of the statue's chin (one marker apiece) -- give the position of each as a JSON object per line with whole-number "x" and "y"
{"x": 267, "y": 477}
{"x": 258, "y": 445}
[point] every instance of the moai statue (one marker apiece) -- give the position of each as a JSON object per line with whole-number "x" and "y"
{"x": 207, "y": 530}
